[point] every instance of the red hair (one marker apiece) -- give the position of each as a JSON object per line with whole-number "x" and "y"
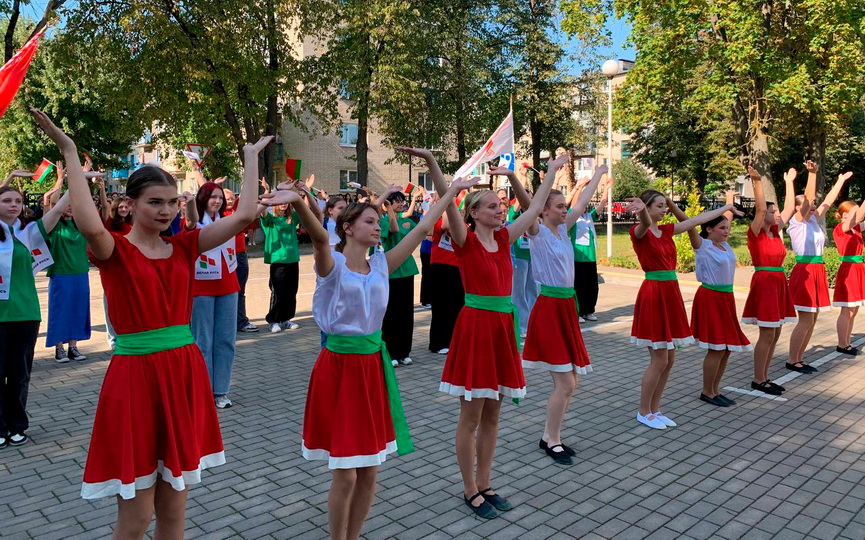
{"x": 203, "y": 196}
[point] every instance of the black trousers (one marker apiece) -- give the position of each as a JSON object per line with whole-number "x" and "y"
{"x": 283, "y": 292}
{"x": 425, "y": 279}
{"x": 17, "y": 341}
{"x": 398, "y": 325}
{"x": 586, "y": 285}
{"x": 448, "y": 299}
{"x": 242, "y": 278}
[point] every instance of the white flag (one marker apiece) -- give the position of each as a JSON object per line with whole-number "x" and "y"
{"x": 501, "y": 142}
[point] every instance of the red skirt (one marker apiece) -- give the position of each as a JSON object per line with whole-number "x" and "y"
{"x": 769, "y": 302}
{"x": 809, "y": 287}
{"x": 850, "y": 285}
{"x": 660, "y": 320}
{"x": 483, "y": 361}
{"x": 347, "y": 418}
{"x": 714, "y": 322}
{"x": 554, "y": 341}
{"x": 155, "y": 418}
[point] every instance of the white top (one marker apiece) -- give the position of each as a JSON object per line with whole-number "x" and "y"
{"x": 714, "y": 265}
{"x": 806, "y": 237}
{"x": 348, "y": 303}
{"x": 552, "y": 258}
{"x": 331, "y": 232}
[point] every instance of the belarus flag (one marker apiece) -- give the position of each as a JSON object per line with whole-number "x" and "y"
{"x": 292, "y": 168}
{"x": 501, "y": 142}
{"x": 43, "y": 171}
{"x": 13, "y": 72}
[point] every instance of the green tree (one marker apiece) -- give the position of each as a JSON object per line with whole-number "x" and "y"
{"x": 631, "y": 179}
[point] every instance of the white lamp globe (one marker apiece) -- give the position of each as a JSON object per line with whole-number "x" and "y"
{"x": 610, "y": 68}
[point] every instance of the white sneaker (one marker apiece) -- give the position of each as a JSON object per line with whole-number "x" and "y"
{"x": 394, "y": 363}
{"x": 275, "y": 328}
{"x": 290, "y": 325}
{"x": 667, "y": 422}
{"x": 591, "y": 317}
{"x": 582, "y": 319}
{"x": 222, "y": 402}
{"x": 405, "y": 361}
{"x": 651, "y": 420}
{"x": 443, "y": 351}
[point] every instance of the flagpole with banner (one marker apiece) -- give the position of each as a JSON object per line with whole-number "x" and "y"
{"x": 500, "y": 142}
{"x": 13, "y": 72}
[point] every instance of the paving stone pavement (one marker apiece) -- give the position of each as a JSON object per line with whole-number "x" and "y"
{"x": 762, "y": 469}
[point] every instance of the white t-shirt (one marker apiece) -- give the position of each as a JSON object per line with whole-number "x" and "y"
{"x": 331, "y": 232}
{"x": 552, "y": 258}
{"x": 806, "y": 237}
{"x": 348, "y": 303}
{"x": 714, "y": 265}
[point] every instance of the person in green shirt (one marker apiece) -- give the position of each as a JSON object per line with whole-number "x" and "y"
{"x": 585, "y": 259}
{"x": 525, "y": 291}
{"x": 23, "y": 251}
{"x": 398, "y": 326}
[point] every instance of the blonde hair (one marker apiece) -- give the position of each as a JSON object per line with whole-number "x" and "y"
{"x": 471, "y": 202}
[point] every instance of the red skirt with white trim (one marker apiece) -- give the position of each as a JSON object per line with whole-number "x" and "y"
{"x": 483, "y": 360}
{"x": 347, "y": 418}
{"x": 660, "y": 320}
{"x": 769, "y": 302}
{"x": 554, "y": 341}
{"x": 715, "y": 324}
{"x": 809, "y": 287}
{"x": 155, "y": 419}
{"x": 850, "y": 285}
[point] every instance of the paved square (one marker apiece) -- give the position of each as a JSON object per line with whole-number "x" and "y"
{"x": 765, "y": 468}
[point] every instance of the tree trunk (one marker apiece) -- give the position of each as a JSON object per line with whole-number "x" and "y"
{"x": 271, "y": 125}
{"x": 536, "y": 131}
{"x": 816, "y": 151}
{"x": 758, "y": 157}
{"x": 362, "y": 146}
{"x": 10, "y": 30}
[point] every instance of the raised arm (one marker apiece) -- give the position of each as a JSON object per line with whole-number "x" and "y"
{"x": 391, "y": 189}
{"x": 18, "y": 173}
{"x": 87, "y": 218}
{"x": 760, "y": 207}
{"x": 103, "y": 199}
{"x": 393, "y": 225}
{"x": 606, "y": 193}
{"x": 522, "y": 196}
{"x": 699, "y": 219}
{"x": 196, "y": 172}
{"x": 317, "y": 233}
{"x": 221, "y": 230}
{"x": 833, "y": 193}
{"x": 637, "y": 206}
{"x": 51, "y": 217}
{"x": 789, "y": 195}
{"x": 730, "y": 200}
{"x": 48, "y": 199}
{"x": 681, "y": 216}
{"x": 403, "y": 250}
{"x": 409, "y": 212}
{"x": 579, "y": 208}
{"x": 810, "y": 191}
{"x": 530, "y": 214}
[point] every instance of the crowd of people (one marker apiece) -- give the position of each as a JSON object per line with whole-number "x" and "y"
{"x": 509, "y": 284}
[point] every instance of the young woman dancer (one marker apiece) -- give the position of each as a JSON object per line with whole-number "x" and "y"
{"x": 714, "y": 322}
{"x": 562, "y": 352}
{"x": 850, "y": 281}
{"x": 808, "y": 283}
{"x": 660, "y": 322}
{"x": 769, "y": 304}
{"x": 448, "y": 296}
{"x": 353, "y": 417}
{"x": 332, "y": 209}
{"x": 215, "y": 292}
{"x": 156, "y": 427}
{"x": 482, "y": 367}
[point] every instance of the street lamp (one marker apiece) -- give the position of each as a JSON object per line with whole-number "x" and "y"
{"x": 610, "y": 69}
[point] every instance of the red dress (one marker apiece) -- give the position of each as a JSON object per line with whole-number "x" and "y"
{"x": 769, "y": 302}
{"x": 660, "y": 320}
{"x": 850, "y": 281}
{"x": 483, "y": 361}
{"x": 156, "y": 416}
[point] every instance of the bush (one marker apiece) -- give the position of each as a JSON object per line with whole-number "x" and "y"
{"x": 684, "y": 251}
{"x": 631, "y": 179}
{"x": 831, "y": 261}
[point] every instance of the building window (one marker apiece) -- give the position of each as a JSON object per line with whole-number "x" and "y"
{"x": 424, "y": 179}
{"x": 348, "y": 136}
{"x": 345, "y": 177}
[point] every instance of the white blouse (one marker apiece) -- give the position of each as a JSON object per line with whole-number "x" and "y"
{"x": 348, "y": 303}
{"x": 715, "y": 266}
{"x": 552, "y": 258}
{"x": 331, "y": 232}
{"x": 806, "y": 237}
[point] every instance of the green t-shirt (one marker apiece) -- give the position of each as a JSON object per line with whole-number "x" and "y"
{"x": 68, "y": 249}
{"x": 23, "y": 303}
{"x": 583, "y": 237}
{"x": 280, "y": 239}
{"x": 391, "y": 239}
{"x": 521, "y": 246}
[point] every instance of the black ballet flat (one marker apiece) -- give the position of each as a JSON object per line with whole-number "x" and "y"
{"x": 562, "y": 457}
{"x": 501, "y": 504}
{"x": 485, "y": 510}
{"x": 767, "y": 388}
{"x": 800, "y": 367}
{"x": 849, "y": 349}
{"x": 722, "y": 397}
{"x": 542, "y": 444}
{"x": 714, "y": 401}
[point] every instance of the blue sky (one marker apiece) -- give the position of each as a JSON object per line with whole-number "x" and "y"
{"x": 619, "y": 30}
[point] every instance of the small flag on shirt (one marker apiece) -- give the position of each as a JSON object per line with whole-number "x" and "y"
{"x": 43, "y": 171}
{"x": 292, "y": 168}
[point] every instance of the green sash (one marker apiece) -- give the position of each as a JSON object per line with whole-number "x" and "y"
{"x": 852, "y": 258}
{"x": 371, "y": 344}
{"x": 661, "y": 275}
{"x": 768, "y": 269}
{"x": 560, "y": 292}
{"x": 718, "y": 288}
{"x": 809, "y": 259}
{"x": 500, "y": 304}
{"x": 154, "y": 341}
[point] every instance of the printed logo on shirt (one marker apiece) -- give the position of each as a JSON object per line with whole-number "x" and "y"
{"x": 445, "y": 243}
{"x": 41, "y": 259}
{"x": 406, "y": 225}
{"x": 36, "y": 252}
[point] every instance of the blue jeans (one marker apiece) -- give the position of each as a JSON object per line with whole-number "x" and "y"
{"x": 525, "y": 291}
{"x": 214, "y": 326}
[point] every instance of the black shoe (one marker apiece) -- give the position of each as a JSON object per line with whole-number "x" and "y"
{"x": 17, "y": 439}
{"x": 767, "y": 388}
{"x": 485, "y": 510}
{"x": 800, "y": 367}
{"x": 777, "y": 386}
{"x": 849, "y": 349}
{"x": 60, "y": 354}
{"x": 713, "y": 401}
{"x": 542, "y": 444}
{"x": 75, "y": 354}
{"x": 501, "y": 504}
{"x": 4, "y": 441}
{"x": 561, "y": 457}
{"x": 722, "y": 397}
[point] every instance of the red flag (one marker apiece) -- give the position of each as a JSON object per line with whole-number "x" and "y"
{"x": 12, "y": 73}
{"x": 43, "y": 171}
